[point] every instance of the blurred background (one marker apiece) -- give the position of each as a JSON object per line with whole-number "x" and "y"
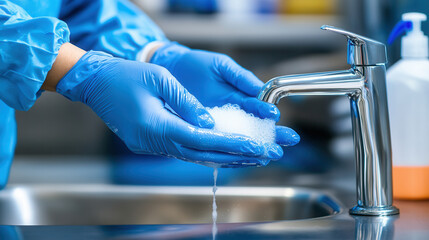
{"x": 60, "y": 141}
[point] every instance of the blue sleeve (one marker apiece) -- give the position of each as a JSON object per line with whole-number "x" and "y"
{"x": 28, "y": 48}
{"x": 114, "y": 26}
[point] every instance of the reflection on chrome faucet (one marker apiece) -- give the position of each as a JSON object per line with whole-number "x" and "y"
{"x": 365, "y": 85}
{"x": 375, "y": 228}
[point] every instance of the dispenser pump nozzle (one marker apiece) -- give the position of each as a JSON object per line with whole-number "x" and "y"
{"x": 414, "y": 43}
{"x": 416, "y": 19}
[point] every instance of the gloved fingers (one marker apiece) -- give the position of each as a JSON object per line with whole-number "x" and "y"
{"x": 213, "y": 140}
{"x": 208, "y": 140}
{"x": 274, "y": 148}
{"x": 286, "y": 136}
{"x": 182, "y": 101}
{"x": 261, "y": 109}
{"x": 255, "y": 106}
{"x": 218, "y": 159}
{"x": 237, "y": 76}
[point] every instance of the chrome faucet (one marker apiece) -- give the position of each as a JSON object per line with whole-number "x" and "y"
{"x": 365, "y": 85}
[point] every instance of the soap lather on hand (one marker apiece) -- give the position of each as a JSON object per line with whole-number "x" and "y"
{"x": 232, "y": 119}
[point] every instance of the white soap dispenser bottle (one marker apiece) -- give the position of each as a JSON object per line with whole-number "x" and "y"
{"x": 408, "y": 100}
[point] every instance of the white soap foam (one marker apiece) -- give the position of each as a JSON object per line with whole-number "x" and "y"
{"x": 232, "y": 119}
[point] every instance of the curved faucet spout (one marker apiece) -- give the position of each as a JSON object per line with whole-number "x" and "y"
{"x": 366, "y": 88}
{"x": 348, "y": 82}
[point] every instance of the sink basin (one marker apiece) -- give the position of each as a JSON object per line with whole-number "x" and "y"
{"x": 116, "y": 205}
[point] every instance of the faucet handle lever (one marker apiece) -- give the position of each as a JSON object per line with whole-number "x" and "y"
{"x": 362, "y": 51}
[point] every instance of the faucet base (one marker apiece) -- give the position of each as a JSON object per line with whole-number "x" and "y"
{"x": 374, "y": 211}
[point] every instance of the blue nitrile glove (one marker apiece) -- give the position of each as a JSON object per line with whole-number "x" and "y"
{"x": 131, "y": 99}
{"x": 215, "y": 80}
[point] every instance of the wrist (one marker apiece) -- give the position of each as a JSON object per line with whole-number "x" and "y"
{"x": 78, "y": 82}
{"x": 67, "y": 57}
{"x": 169, "y": 54}
{"x": 145, "y": 55}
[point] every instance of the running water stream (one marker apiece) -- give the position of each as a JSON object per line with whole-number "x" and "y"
{"x": 214, "y": 211}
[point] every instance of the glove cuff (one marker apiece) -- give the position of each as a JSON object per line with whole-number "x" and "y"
{"x": 73, "y": 84}
{"x": 169, "y": 54}
{"x": 146, "y": 53}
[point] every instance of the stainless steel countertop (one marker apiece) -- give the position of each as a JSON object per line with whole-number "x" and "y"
{"x": 412, "y": 223}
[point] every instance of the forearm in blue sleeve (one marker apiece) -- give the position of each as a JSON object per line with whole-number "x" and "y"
{"x": 114, "y": 26}
{"x": 28, "y": 48}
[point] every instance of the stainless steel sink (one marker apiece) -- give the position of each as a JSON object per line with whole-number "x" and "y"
{"x": 115, "y": 205}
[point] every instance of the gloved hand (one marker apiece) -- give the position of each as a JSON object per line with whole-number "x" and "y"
{"x": 215, "y": 80}
{"x": 131, "y": 99}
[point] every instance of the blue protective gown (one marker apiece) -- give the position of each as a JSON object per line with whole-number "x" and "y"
{"x": 31, "y": 33}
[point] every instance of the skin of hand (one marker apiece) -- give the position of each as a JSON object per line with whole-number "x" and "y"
{"x": 131, "y": 98}
{"x": 215, "y": 80}
{"x": 68, "y": 56}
